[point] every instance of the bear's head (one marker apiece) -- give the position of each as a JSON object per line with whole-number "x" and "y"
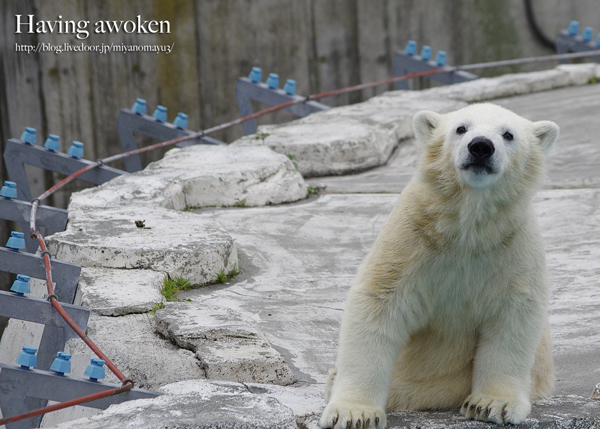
{"x": 483, "y": 146}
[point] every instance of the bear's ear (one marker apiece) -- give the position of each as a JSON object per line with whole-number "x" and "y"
{"x": 424, "y": 122}
{"x": 547, "y": 132}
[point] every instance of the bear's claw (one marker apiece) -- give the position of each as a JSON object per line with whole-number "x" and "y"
{"x": 338, "y": 415}
{"x": 498, "y": 410}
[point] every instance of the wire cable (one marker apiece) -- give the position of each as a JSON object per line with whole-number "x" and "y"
{"x": 128, "y": 384}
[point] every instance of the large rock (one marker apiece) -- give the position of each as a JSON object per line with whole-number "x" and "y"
{"x": 349, "y": 139}
{"x": 178, "y": 243}
{"x": 202, "y": 176}
{"x": 229, "y": 346}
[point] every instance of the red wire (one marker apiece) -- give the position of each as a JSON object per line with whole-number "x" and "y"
{"x": 68, "y": 318}
{"x": 128, "y": 384}
{"x": 77, "y": 401}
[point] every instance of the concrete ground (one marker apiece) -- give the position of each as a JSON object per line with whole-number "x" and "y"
{"x": 298, "y": 260}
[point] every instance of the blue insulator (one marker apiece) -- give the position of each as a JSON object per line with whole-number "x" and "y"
{"x": 587, "y": 34}
{"x": 290, "y": 86}
{"x": 61, "y": 364}
{"x": 181, "y": 121}
{"x": 160, "y": 114}
{"x": 16, "y": 241}
{"x": 21, "y": 285}
{"x": 76, "y": 149}
{"x": 95, "y": 370}
{"x": 440, "y": 59}
{"x": 411, "y": 48}
{"x": 29, "y": 136}
{"x": 52, "y": 143}
{"x": 27, "y": 357}
{"x": 273, "y": 81}
{"x": 139, "y": 106}
{"x": 9, "y": 190}
{"x": 426, "y": 53}
{"x": 255, "y": 74}
{"x": 573, "y": 28}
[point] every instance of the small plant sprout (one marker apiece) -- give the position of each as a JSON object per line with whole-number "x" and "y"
{"x": 222, "y": 277}
{"x": 169, "y": 290}
{"x": 261, "y": 136}
{"x": 240, "y": 203}
{"x": 293, "y": 159}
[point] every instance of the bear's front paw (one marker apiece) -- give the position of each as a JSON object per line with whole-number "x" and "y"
{"x": 345, "y": 415}
{"x": 494, "y": 409}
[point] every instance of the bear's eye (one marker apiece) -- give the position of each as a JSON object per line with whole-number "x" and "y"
{"x": 461, "y": 130}
{"x": 508, "y": 136}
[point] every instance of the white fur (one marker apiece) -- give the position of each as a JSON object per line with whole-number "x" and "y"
{"x": 448, "y": 310}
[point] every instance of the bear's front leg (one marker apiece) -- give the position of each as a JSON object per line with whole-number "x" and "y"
{"x": 502, "y": 370}
{"x": 371, "y": 335}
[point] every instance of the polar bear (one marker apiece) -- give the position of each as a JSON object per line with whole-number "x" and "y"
{"x": 449, "y": 308}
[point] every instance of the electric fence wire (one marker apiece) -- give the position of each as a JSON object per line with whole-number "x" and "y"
{"x": 128, "y": 384}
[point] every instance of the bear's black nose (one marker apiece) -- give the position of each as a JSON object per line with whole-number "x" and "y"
{"x": 481, "y": 148}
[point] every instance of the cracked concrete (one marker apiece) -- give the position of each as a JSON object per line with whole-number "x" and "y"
{"x": 228, "y": 346}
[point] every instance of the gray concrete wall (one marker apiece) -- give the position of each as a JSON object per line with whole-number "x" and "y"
{"x": 323, "y": 44}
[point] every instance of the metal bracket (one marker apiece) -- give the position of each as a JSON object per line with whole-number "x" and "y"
{"x": 407, "y": 61}
{"x": 51, "y": 219}
{"x": 41, "y": 311}
{"x": 247, "y": 90}
{"x": 129, "y": 123}
{"x": 65, "y": 274}
{"x": 56, "y": 333}
{"x": 17, "y": 153}
{"x": 40, "y": 386}
{"x": 570, "y": 41}
{"x": 37, "y": 310}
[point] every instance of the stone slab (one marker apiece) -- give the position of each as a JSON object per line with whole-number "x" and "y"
{"x": 389, "y": 178}
{"x": 132, "y": 344}
{"x": 172, "y": 242}
{"x": 508, "y": 85}
{"x": 202, "y": 176}
{"x": 303, "y": 399}
{"x": 222, "y": 406}
{"x": 228, "y": 346}
{"x": 297, "y": 264}
{"x": 348, "y": 139}
{"x": 111, "y": 292}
